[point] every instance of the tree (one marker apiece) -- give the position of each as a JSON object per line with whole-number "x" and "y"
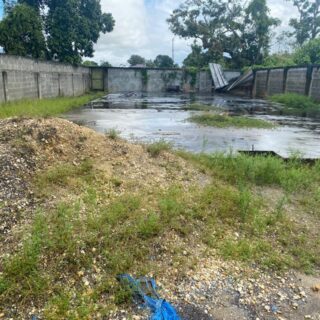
{"x": 307, "y": 26}
{"x": 136, "y": 60}
{"x": 71, "y": 27}
{"x": 105, "y": 64}
{"x": 150, "y": 64}
{"x": 309, "y": 53}
{"x": 164, "y": 61}
{"x": 89, "y": 63}
{"x": 21, "y": 32}
{"x": 226, "y": 27}
{"x": 256, "y": 33}
{"x": 197, "y": 58}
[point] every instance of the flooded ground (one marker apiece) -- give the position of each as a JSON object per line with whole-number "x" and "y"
{"x": 149, "y": 118}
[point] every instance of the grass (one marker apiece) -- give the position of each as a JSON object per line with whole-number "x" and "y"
{"x": 113, "y": 133}
{"x": 200, "y": 107}
{"x": 70, "y": 255}
{"x": 44, "y": 107}
{"x": 297, "y": 104}
{"x": 224, "y": 121}
{"x": 155, "y": 149}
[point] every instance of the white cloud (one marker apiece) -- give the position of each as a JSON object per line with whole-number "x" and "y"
{"x": 141, "y": 28}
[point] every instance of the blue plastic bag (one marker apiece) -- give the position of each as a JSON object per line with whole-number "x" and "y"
{"x": 145, "y": 290}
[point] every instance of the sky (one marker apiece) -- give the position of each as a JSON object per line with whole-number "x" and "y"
{"x": 141, "y": 28}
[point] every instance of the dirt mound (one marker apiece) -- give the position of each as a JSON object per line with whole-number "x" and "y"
{"x": 30, "y": 146}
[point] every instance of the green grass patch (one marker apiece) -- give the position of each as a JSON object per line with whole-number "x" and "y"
{"x": 297, "y": 104}
{"x": 70, "y": 255}
{"x": 156, "y": 148}
{"x": 224, "y": 121}
{"x": 113, "y": 133}
{"x": 44, "y": 107}
{"x": 200, "y": 107}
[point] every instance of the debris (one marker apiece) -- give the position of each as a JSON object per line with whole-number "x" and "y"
{"x": 145, "y": 289}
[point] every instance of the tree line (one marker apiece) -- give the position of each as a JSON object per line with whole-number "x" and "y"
{"x": 234, "y": 33}
{"x": 238, "y": 34}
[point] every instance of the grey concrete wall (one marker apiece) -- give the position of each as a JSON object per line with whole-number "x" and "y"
{"x": 28, "y": 78}
{"x": 296, "y": 80}
{"x": 301, "y": 80}
{"x": 315, "y": 84}
{"x": 260, "y": 84}
{"x": 276, "y": 81}
{"x": 152, "y": 80}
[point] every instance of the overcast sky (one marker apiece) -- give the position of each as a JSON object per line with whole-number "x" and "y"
{"x": 141, "y": 28}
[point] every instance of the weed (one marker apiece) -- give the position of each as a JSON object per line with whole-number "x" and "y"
{"x": 157, "y": 147}
{"x": 297, "y": 104}
{"x": 44, "y": 107}
{"x": 200, "y": 107}
{"x": 224, "y": 121}
{"x": 113, "y": 133}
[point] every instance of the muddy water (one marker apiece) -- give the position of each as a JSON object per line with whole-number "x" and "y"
{"x": 148, "y": 118}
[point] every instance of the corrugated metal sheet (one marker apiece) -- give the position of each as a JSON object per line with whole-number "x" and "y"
{"x": 241, "y": 80}
{"x": 218, "y": 77}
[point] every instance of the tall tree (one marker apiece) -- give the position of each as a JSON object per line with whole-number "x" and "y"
{"x": 226, "y": 26}
{"x": 21, "y": 32}
{"x": 164, "y": 61}
{"x": 307, "y": 26}
{"x": 257, "y": 31}
{"x": 136, "y": 60}
{"x": 197, "y": 58}
{"x": 308, "y": 53}
{"x": 71, "y": 27}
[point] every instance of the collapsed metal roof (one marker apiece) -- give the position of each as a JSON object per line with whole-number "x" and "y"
{"x": 218, "y": 77}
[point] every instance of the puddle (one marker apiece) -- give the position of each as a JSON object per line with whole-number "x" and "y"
{"x": 148, "y": 118}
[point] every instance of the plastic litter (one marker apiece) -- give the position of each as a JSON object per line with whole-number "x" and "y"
{"x": 145, "y": 292}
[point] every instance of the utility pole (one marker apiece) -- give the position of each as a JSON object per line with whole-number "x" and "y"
{"x": 173, "y": 49}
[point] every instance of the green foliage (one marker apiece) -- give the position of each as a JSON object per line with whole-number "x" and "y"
{"x": 92, "y": 239}
{"x": 199, "y": 107}
{"x": 157, "y": 147}
{"x": 224, "y": 26}
{"x": 307, "y": 26}
{"x": 197, "y": 58}
{"x": 144, "y": 77}
{"x": 70, "y": 28}
{"x": 297, "y": 104}
{"x": 191, "y": 75}
{"x": 136, "y": 60}
{"x": 88, "y": 63}
{"x": 21, "y": 32}
{"x": 309, "y": 53}
{"x": 44, "y": 107}
{"x": 164, "y": 61}
{"x": 112, "y": 133}
{"x": 223, "y": 121}
{"x": 105, "y": 64}
{"x": 276, "y": 60}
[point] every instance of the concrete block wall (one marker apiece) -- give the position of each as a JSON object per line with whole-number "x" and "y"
{"x": 23, "y": 78}
{"x": 261, "y": 84}
{"x": 301, "y": 80}
{"x": 117, "y": 80}
{"x": 315, "y": 84}
{"x": 276, "y": 81}
{"x": 296, "y": 80}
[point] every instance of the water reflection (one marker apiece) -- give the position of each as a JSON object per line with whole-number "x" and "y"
{"x": 146, "y": 118}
